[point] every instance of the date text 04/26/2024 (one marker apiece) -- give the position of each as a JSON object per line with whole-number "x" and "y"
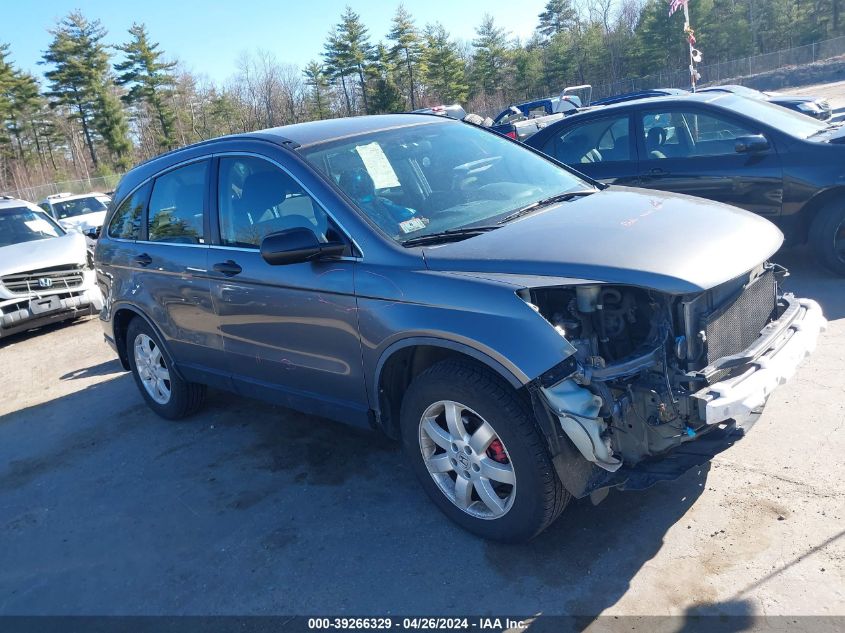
{"x": 417, "y": 623}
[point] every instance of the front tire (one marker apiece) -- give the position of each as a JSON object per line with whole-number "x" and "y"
{"x": 476, "y": 450}
{"x": 827, "y": 237}
{"x": 166, "y": 393}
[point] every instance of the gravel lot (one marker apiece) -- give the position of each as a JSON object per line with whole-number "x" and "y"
{"x": 833, "y": 92}
{"x": 252, "y": 509}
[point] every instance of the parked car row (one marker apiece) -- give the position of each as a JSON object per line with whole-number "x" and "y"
{"x": 815, "y": 107}
{"x": 83, "y": 213}
{"x": 46, "y": 272}
{"x": 522, "y": 120}
{"x": 528, "y": 333}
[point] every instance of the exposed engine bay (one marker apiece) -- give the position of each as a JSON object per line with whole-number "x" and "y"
{"x": 643, "y": 357}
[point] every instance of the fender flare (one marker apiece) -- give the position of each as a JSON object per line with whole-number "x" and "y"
{"x": 131, "y": 307}
{"x": 512, "y": 374}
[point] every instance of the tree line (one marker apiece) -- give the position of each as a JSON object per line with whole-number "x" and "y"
{"x": 98, "y": 108}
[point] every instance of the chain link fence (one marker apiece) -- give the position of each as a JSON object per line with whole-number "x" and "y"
{"x": 722, "y": 71}
{"x": 102, "y": 184}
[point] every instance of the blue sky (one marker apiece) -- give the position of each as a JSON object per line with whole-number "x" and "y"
{"x": 208, "y": 36}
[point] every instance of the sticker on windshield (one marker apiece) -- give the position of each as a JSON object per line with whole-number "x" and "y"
{"x": 414, "y": 224}
{"x": 379, "y": 168}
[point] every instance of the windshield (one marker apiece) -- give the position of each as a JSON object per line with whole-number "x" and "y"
{"x": 431, "y": 178}
{"x": 778, "y": 117}
{"x": 25, "y": 225}
{"x": 78, "y": 206}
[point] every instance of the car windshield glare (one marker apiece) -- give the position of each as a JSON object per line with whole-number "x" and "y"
{"x": 24, "y": 225}
{"x": 79, "y": 206}
{"x": 435, "y": 177}
{"x": 778, "y": 117}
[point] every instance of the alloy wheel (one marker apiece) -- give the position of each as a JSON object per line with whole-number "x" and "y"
{"x": 467, "y": 460}
{"x": 152, "y": 368}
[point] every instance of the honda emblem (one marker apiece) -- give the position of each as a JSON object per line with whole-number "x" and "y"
{"x": 45, "y": 282}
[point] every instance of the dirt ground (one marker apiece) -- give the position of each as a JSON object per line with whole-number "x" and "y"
{"x": 833, "y": 92}
{"x": 252, "y": 509}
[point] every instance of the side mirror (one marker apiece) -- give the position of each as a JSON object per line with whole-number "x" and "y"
{"x": 752, "y": 144}
{"x": 294, "y": 246}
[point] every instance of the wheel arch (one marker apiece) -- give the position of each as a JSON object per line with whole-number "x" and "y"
{"x": 815, "y": 204}
{"x": 122, "y": 316}
{"x": 405, "y": 359}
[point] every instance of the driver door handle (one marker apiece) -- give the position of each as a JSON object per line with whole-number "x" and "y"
{"x": 227, "y": 268}
{"x": 658, "y": 171}
{"x": 143, "y": 260}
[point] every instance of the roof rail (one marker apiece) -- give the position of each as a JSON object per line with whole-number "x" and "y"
{"x": 281, "y": 140}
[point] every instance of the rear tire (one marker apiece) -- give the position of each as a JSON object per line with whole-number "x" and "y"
{"x": 165, "y": 391}
{"x": 827, "y": 237}
{"x": 477, "y": 452}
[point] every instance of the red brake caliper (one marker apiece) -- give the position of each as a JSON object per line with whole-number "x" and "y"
{"x": 496, "y": 452}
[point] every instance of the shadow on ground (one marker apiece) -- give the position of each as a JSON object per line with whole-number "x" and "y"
{"x": 250, "y": 508}
{"x": 22, "y": 337}
{"x": 809, "y": 279}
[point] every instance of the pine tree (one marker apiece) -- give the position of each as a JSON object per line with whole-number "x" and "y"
{"x": 407, "y": 48}
{"x": 149, "y": 79}
{"x": 7, "y": 82}
{"x": 339, "y": 65}
{"x": 110, "y": 122}
{"x": 445, "y": 71}
{"x": 557, "y": 17}
{"x": 315, "y": 79}
{"x": 79, "y": 80}
{"x": 356, "y": 46}
{"x": 24, "y": 101}
{"x": 490, "y": 56}
{"x": 385, "y": 96}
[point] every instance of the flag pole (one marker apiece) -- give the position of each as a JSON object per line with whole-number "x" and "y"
{"x": 694, "y": 76}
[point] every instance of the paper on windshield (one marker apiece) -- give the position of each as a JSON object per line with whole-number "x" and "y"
{"x": 40, "y": 226}
{"x": 377, "y": 165}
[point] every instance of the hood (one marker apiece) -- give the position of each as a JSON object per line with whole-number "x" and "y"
{"x": 779, "y": 98}
{"x": 671, "y": 243}
{"x": 84, "y": 222}
{"x": 55, "y": 251}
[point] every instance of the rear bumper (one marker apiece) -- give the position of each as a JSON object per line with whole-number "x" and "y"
{"x": 771, "y": 361}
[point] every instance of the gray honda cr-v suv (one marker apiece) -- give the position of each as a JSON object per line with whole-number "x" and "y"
{"x": 528, "y": 334}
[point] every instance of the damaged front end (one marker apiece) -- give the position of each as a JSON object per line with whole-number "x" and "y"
{"x": 660, "y": 383}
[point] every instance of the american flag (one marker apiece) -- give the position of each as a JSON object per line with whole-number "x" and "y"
{"x": 674, "y": 5}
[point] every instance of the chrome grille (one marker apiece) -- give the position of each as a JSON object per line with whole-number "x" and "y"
{"x": 736, "y": 324}
{"x": 35, "y": 281}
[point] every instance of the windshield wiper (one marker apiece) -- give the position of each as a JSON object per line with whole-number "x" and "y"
{"x": 544, "y": 202}
{"x": 449, "y": 235}
{"x": 834, "y": 125}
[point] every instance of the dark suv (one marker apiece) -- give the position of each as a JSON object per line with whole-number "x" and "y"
{"x": 528, "y": 334}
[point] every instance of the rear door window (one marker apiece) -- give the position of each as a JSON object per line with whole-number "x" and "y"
{"x": 177, "y": 205}
{"x": 602, "y": 141}
{"x": 690, "y": 134}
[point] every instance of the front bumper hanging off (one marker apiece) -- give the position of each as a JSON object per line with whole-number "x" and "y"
{"x": 729, "y": 407}
{"x": 769, "y": 363}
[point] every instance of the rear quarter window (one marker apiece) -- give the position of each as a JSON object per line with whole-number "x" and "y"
{"x": 126, "y": 221}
